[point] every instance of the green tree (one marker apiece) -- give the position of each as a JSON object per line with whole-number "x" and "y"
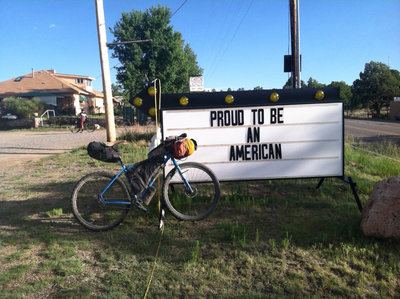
{"x": 258, "y": 88}
{"x": 376, "y": 87}
{"x": 312, "y": 83}
{"x": 166, "y": 57}
{"x": 117, "y": 90}
{"x": 345, "y": 92}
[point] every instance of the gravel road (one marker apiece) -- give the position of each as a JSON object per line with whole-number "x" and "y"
{"x": 17, "y": 147}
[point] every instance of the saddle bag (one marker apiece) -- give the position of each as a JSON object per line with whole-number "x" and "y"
{"x": 102, "y": 152}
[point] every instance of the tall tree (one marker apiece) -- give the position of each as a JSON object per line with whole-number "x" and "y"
{"x": 345, "y": 92}
{"x": 312, "y": 83}
{"x": 376, "y": 87}
{"x": 167, "y": 57}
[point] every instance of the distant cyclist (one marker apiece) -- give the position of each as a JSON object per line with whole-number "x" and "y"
{"x": 83, "y": 118}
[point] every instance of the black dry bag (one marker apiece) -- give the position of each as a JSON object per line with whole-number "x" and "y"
{"x": 102, "y": 152}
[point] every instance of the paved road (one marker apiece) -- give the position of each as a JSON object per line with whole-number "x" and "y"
{"x": 373, "y": 130}
{"x": 20, "y": 146}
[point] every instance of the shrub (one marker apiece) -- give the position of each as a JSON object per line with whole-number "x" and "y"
{"x": 21, "y": 107}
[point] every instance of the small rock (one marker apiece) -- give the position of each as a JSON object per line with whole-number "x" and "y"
{"x": 381, "y": 214}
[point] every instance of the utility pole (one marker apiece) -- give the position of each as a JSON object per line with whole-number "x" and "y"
{"x": 295, "y": 42}
{"x": 105, "y": 70}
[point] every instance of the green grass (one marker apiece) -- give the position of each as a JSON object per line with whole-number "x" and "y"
{"x": 279, "y": 238}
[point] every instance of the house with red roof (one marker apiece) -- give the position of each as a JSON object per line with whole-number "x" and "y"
{"x": 69, "y": 94}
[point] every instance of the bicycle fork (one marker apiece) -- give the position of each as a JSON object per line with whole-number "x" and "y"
{"x": 185, "y": 181}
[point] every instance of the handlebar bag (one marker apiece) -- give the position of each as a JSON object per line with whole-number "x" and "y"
{"x": 184, "y": 147}
{"x": 102, "y": 152}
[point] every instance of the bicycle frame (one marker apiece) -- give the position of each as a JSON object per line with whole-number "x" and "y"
{"x": 135, "y": 196}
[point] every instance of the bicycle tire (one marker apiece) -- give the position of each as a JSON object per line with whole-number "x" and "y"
{"x": 90, "y": 128}
{"x": 74, "y": 128}
{"x": 198, "y": 204}
{"x": 87, "y": 208}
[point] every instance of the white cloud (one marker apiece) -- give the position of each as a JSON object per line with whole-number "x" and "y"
{"x": 52, "y": 26}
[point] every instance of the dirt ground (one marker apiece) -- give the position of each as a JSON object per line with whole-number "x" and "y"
{"x": 19, "y": 147}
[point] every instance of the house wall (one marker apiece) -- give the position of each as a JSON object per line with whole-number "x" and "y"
{"x": 86, "y": 85}
{"x": 99, "y": 105}
{"x": 77, "y": 104}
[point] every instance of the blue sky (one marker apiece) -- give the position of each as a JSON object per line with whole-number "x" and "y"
{"x": 239, "y": 43}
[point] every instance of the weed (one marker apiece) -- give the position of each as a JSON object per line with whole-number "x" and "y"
{"x": 54, "y": 212}
{"x": 286, "y": 241}
{"x": 195, "y": 252}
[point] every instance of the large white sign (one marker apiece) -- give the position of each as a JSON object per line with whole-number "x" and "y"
{"x": 269, "y": 142}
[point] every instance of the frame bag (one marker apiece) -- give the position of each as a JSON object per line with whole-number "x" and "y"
{"x": 141, "y": 174}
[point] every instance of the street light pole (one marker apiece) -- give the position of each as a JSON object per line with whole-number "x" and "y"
{"x": 105, "y": 70}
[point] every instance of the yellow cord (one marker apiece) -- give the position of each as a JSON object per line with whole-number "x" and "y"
{"x": 154, "y": 264}
{"x": 158, "y": 185}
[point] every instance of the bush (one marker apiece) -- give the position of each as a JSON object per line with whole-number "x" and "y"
{"x": 21, "y": 107}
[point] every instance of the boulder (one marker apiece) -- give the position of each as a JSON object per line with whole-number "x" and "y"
{"x": 381, "y": 214}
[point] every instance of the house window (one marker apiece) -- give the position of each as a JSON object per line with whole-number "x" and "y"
{"x": 88, "y": 83}
{"x": 79, "y": 80}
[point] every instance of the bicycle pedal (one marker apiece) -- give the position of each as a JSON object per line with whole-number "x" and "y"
{"x": 140, "y": 206}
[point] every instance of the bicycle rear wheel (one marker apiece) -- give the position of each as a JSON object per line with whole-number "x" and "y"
{"x": 93, "y": 213}
{"x": 198, "y": 201}
{"x": 90, "y": 128}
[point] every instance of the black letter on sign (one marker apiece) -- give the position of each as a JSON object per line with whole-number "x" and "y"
{"x": 240, "y": 118}
{"x": 220, "y": 118}
{"x": 280, "y": 115}
{"x": 254, "y": 115}
{"x": 273, "y": 116}
{"x": 213, "y": 116}
{"x": 232, "y": 154}
{"x": 227, "y": 118}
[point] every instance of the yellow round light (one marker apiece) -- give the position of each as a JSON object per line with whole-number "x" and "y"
{"x": 319, "y": 95}
{"x": 183, "y": 101}
{"x": 151, "y": 91}
{"x": 152, "y": 111}
{"x": 229, "y": 99}
{"x": 137, "y": 102}
{"x": 274, "y": 97}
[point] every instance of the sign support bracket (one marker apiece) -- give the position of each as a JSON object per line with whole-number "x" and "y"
{"x": 353, "y": 185}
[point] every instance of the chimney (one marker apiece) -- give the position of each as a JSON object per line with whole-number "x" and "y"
{"x": 33, "y": 74}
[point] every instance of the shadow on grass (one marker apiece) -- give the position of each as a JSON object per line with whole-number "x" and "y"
{"x": 254, "y": 212}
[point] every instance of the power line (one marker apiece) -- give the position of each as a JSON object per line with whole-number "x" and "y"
{"x": 183, "y": 3}
{"x": 233, "y": 36}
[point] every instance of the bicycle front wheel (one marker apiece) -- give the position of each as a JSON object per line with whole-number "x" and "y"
{"x": 194, "y": 199}
{"x": 94, "y": 213}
